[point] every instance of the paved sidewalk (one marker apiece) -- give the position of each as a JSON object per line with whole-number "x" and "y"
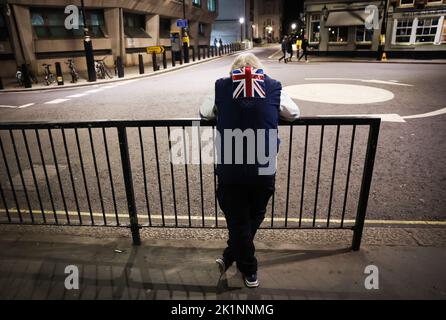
{"x": 325, "y": 59}
{"x": 132, "y": 72}
{"x": 179, "y": 264}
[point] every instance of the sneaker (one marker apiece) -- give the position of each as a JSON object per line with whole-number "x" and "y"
{"x": 251, "y": 280}
{"x": 223, "y": 265}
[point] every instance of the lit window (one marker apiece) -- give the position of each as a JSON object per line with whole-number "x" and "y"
{"x": 196, "y": 3}
{"x": 426, "y": 30}
{"x": 338, "y": 34}
{"x": 315, "y": 28}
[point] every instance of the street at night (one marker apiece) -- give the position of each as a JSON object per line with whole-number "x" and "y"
{"x": 245, "y": 151}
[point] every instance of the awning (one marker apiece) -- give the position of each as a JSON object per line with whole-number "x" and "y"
{"x": 346, "y": 18}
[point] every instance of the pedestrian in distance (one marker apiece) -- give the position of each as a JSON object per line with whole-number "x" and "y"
{"x": 304, "y": 49}
{"x": 250, "y": 102}
{"x": 221, "y": 45}
{"x": 283, "y": 46}
{"x": 215, "y": 42}
{"x": 289, "y": 49}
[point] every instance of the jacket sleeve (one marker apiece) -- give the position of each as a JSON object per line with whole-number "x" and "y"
{"x": 208, "y": 109}
{"x": 289, "y": 110}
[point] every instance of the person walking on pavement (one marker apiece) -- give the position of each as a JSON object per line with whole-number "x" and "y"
{"x": 283, "y": 46}
{"x": 304, "y": 49}
{"x": 215, "y": 42}
{"x": 221, "y": 45}
{"x": 249, "y": 102}
{"x": 289, "y": 48}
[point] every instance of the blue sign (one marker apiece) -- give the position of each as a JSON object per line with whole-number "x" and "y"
{"x": 181, "y": 23}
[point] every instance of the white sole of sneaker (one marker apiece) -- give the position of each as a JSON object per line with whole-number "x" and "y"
{"x": 254, "y": 284}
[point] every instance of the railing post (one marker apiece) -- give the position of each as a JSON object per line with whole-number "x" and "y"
{"x": 128, "y": 182}
{"x": 365, "y": 184}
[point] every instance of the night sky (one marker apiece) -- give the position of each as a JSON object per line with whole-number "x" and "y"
{"x": 291, "y": 10}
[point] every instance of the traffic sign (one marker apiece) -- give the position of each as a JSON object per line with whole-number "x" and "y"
{"x": 155, "y": 49}
{"x": 182, "y": 23}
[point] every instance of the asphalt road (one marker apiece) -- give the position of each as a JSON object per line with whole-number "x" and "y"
{"x": 409, "y": 180}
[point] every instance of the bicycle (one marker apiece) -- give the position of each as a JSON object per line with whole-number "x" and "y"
{"x": 101, "y": 69}
{"x": 21, "y": 80}
{"x": 73, "y": 72}
{"x": 49, "y": 76}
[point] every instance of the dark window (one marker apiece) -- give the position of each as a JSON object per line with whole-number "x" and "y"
{"x": 212, "y": 5}
{"x": 135, "y": 25}
{"x": 164, "y": 28}
{"x": 201, "y": 29}
{"x": 48, "y": 23}
{"x": 3, "y": 28}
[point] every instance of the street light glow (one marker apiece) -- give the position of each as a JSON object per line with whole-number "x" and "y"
{"x": 241, "y": 20}
{"x": 293, "y": 26}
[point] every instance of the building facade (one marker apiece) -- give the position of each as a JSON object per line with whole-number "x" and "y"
{"x": 34, "y": 31}
{"x": 262, "y": 20}
{"x": 411, "y": 28}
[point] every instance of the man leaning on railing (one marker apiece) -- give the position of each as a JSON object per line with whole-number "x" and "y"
{"x": 248, "y": 104}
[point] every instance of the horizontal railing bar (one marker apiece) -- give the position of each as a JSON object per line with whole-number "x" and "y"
{"x": 178, "y": 122}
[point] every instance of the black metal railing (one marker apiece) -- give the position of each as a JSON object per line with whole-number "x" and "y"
{"x": 123, "y": 174}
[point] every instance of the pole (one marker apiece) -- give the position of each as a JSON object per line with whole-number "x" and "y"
{"x": 382, "y": 43}
{"x": 88, "y": 46}
{"x": 185, "y": 34}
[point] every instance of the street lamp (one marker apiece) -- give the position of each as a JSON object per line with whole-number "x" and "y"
{"x": 325, "y": 12}
{"x": 242, "y": 21}
{"x": 88, "y": 46}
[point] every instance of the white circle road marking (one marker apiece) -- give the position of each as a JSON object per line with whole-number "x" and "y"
{"x": 338, "y": 93}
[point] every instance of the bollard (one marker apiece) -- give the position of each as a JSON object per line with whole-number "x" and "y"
{"x": 119, "y": 67}
{"x": 193, "y": 53}
{"x": 180, "y": 53}
{"x": 199, "y": 53}
{"x": 164, "y": 60}
{"x": 141, "y": 64}
{"x": 154, "y": 62}
{"x": 173, "y": 57}
{"x": 1, "y": 84}
{"x": 59, "y": 75}
{"x": 208, "y": 49}
{"x": 25, "y": 76}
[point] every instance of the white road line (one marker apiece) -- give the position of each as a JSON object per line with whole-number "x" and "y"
{"x": 56, "y": 101}
{"x": 385, "y": 117}
{"x": 94, "y": 90}
{"x": 6, "y": 106}
{"x": 278, "y": 51}
{"x": 77, "y": 95}
{"x": 26, "y": 105}
{"x": 392, "y": 82}
{"x": 425, "y": 115}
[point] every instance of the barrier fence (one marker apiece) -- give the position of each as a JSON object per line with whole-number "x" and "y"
{"x": 120, "y": 174}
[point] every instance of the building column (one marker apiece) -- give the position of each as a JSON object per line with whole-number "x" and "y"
{"x": 153, "y": 27}
{"x": 115, "y": 28}
{"x": 22, "y": 35}
{"x": 323, "y": 34}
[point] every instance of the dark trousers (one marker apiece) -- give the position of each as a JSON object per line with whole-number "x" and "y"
{"x": 304, "y": 53}
{"x": 244, "y": 207}
{"x": 284, "y": 55}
